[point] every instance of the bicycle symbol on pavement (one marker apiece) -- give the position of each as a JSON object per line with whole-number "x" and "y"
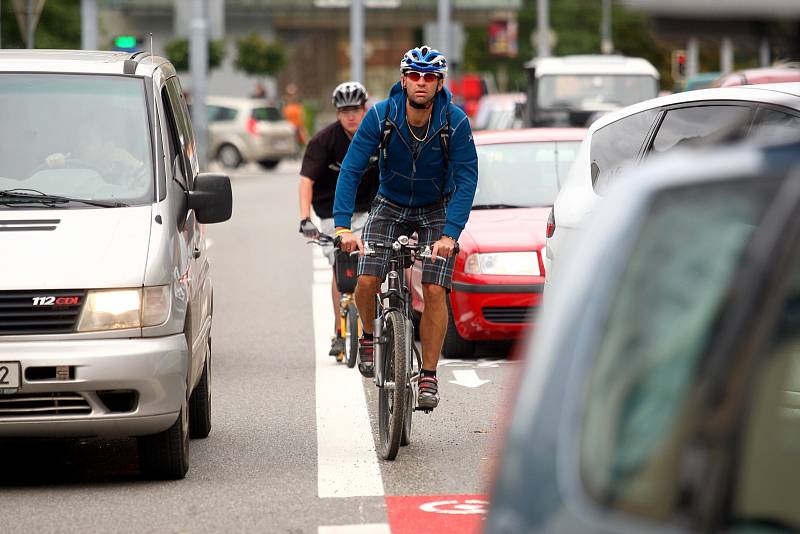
{"x": 465, "y": 507}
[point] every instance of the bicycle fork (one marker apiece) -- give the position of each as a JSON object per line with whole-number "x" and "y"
{"x": 377, "y": 350}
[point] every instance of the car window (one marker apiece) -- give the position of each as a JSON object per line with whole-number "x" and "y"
{"x": 641, "y": 388}
{"x": 79, "y": 136}
{"x": 774, "y": 126}
{"x": 183, "y": 125}
{"x": 699, "y": 126}
{"x": 220, "y": 114}
{"x": 595, "y": 91}
{"x": 267, "y": 114}
{"x": 616, "y": 147}
{"x": 521, "y": 174}
{"x": 768, "y": 466}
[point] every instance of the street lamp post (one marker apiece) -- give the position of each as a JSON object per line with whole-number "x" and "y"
{"x": 357, "y": 40}
{"x": 606, "y": 43}
{"x": 543, "y": 28}
{"x": 89, "y": 24}
{"x": 198, "y": 65}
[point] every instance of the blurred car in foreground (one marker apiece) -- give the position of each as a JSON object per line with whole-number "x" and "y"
{"x": 662, "y": 391}
{"x": 759, "y": 76}
{"x": 499, "y": 111}
{"x": 248, "y": 130}
{"x": 636, "y": 133}
{"x": 498, "y": 276}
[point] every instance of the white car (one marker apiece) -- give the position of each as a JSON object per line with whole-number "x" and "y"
{"x": 249, "y": 130}
{"x": 631, "y": 135}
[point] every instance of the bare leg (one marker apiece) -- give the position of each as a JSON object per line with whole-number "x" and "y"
{"x": 335, "y": 298}
{"x": 433, "y": 324}
{"x": 365, "y": 300}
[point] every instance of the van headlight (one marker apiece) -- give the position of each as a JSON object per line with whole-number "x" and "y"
{"x": 113, "y": 309}
{"x": 508, "y": 263}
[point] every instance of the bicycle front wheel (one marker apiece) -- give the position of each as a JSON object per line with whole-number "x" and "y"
{"x": 351, "y": 335}
{"x": 392, "y": 398}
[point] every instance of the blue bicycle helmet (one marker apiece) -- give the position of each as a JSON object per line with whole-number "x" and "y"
{"x": 424, "y": 59}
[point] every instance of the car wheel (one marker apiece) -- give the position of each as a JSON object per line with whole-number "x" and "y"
{"x": 269, "y": 163}
{"x": 200, "y": 401}
{"x": 229, "y": 156}
{"x": 165, "y": 456}
{"x": 454, "y": 345}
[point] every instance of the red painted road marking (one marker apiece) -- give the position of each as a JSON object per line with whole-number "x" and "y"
{"x": 437, "y": 514}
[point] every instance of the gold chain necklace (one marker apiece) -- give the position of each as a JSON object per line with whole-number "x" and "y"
{"x": 411, "y": 130}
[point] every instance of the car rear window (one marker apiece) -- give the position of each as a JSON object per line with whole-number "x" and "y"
{"x": 267, "y": 114}
{"x": 220, "y": 114}
{"x": 641, "y": 403}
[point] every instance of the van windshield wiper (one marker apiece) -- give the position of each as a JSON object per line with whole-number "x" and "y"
{"x": 13, "y": 196}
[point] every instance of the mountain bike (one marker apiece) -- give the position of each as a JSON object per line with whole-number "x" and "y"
{"x": 345, "y": 276}
{"x": 397, "y": 358}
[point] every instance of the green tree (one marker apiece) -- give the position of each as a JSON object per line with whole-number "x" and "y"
{"x": 177, "y": 51}
{"x": 576, "y": 24}
{"x": 59, "y": 26}
{"x": 258, "y": 57}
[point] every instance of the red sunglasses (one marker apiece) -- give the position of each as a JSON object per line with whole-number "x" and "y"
{"x": 429, "y": 77}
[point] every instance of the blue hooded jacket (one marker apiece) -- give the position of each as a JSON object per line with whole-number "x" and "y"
{"x": 407, "y": 181}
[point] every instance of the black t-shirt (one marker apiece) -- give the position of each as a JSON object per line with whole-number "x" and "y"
{"x": 322, "y": 161}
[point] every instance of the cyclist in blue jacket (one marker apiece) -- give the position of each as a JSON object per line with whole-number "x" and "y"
{"x": 428, "y": 174}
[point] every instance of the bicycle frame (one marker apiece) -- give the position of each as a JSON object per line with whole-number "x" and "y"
{"x": 396, "y": 297}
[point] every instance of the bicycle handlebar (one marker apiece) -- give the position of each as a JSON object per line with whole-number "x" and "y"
{"x": 401, "y": 244}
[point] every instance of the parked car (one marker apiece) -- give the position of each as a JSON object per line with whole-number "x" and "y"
{"x": 499, "y": 111}
{"x": 106, "y": 297}
{"x": 662, "y": 391}
{"x": 498, "y": 274}
{"x": 634, "y": 134}
{"x": 702, "y": 80}
{"x": 575, "y": 90}
{"x": 249, "y": 130}
{"x": 759, "y": 76}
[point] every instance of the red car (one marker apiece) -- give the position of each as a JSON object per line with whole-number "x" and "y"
{"x": 499, "y": 275}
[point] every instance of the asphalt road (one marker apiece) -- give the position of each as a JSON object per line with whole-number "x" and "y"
{"x": 259, "y": 469}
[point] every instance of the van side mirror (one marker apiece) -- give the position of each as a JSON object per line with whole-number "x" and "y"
{"x": 211, "y": 199}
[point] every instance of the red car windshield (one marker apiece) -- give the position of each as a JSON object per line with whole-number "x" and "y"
{"x": 522, "y": 174}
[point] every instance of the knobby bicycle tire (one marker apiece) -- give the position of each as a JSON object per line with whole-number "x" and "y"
{"x": 392, "y": 402}
{"x": 351, "y": 336}
{"x": 412, "y": 367}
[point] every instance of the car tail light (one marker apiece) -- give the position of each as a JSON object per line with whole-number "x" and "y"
{"x": 252, "y": 127}
{"x": 551, "y": 223}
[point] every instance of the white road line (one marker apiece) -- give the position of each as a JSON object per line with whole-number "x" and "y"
{"x": 371, "y": 528}
{"x": 347, "y": 463}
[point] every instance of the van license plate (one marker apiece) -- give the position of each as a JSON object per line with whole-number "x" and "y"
{"x": 9, "y": 377}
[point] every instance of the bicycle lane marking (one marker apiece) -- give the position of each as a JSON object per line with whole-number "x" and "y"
{"x": 347, "y": 465}
{"x": 436, "y": 514}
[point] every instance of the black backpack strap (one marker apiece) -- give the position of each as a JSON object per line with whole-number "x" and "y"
{"x": 444, "y": 144}
{"x": 386, "y": 134}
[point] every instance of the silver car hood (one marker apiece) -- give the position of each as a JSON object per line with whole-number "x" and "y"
{"x": 74, "y": 248}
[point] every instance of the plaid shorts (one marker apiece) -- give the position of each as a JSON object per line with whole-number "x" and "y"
{"x": 388, "y": 221}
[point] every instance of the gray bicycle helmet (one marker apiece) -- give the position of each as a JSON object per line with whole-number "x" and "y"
{"x": 349, "y": 94}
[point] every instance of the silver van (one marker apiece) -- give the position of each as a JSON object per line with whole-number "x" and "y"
{"x": 105, "y": 292}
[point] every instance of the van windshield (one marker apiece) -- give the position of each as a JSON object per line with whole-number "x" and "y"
{"x": 75, "y": 136}
{"x": 594, "y": 91}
